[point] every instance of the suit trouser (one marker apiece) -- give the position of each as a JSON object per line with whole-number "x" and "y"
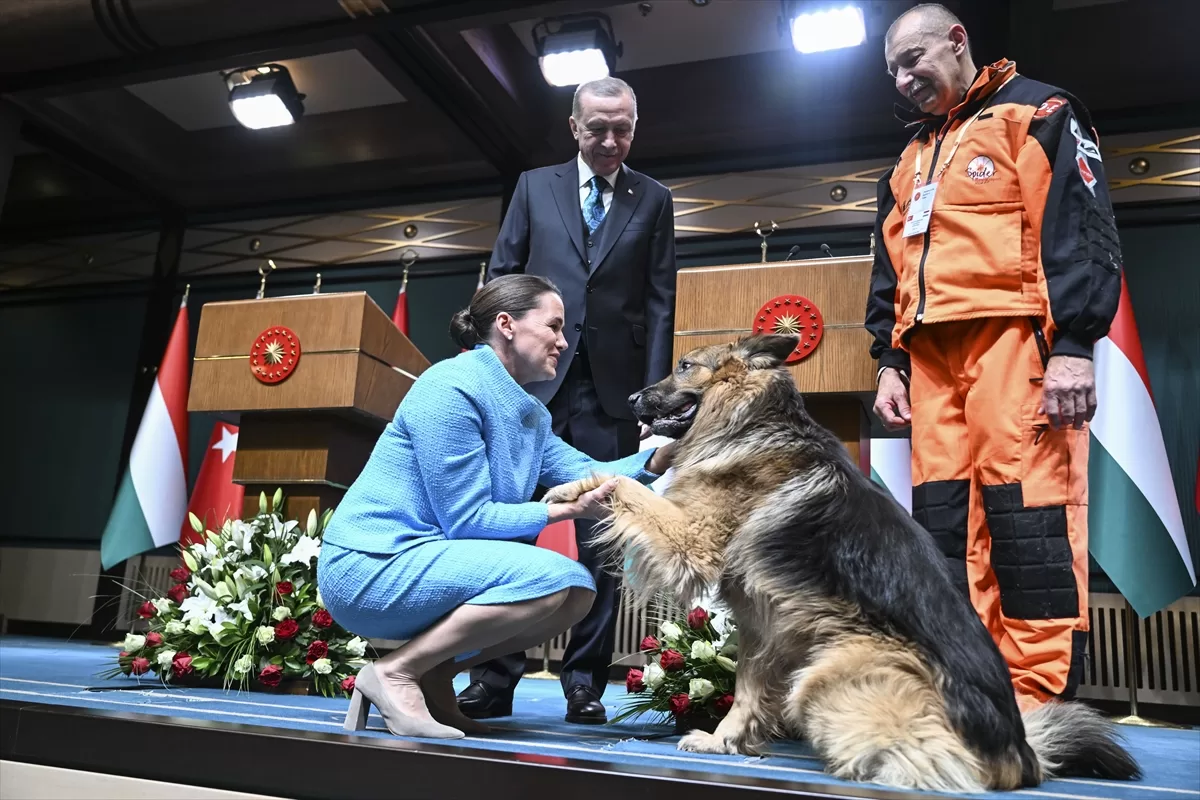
{"x": 1004, "y": 494}
{"x": 579, "y": 419}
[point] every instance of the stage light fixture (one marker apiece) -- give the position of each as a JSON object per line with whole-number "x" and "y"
{"x": 263, "y": 96}
{"x": 828, "y": 28}
{"x": 575, "y": 49}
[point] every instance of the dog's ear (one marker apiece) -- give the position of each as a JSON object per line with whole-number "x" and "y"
{"x": 765, "y": 351}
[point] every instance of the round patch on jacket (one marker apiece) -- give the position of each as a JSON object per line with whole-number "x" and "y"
{"x": 980, "y": 169}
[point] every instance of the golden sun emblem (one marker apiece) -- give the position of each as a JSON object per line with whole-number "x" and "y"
{"x": 273, "y": 352}
{"x": 787, "y": 324}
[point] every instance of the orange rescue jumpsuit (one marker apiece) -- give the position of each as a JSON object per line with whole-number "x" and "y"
{"x": 1020, "y": 261}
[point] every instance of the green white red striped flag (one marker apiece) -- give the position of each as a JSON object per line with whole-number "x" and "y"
{"x": 152, "y": 501}
{"x": 891, "y": 468}
{"x": 1135, "y": 530}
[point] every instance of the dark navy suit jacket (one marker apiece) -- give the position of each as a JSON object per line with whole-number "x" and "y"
{"x": 618, "y": 285}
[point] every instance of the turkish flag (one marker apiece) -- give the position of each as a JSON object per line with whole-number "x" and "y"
{"x": 400, "y": 313}
{"x": 215, "y": 497}
{"x": 560, "y": 537}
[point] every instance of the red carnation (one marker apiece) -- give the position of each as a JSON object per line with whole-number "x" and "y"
{"x": 634, "y": 682}
{"x": 271, "y": 675}
{"x": 322, "y": 618}
{"x": 178, "y": 592}
{"x": 139, "y": 665}
{"x": 153, "y": 639}
{"x": 671, "y": 660}
{"x": 182, "y": 664}
{"x": 284, "y": 587}
{"x": 697, "y": 618}
{"x": 286, "y": 629}
{"x": 146, "y": 610}
{"x": 348, "y": 684}
{"x": 649, "y": 643}
{"x": 317, "y": 649}
{"x": 679, "y": 704}
{"x": 722, "y": 704}
{"x": 180, "y": 574}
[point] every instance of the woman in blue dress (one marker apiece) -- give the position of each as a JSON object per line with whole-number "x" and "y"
{"x": 434, "y": 542}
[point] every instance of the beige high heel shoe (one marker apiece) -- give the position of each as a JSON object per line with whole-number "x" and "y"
{"x": 369, "y": 691}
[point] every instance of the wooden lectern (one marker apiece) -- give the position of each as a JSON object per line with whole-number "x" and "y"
{"x": 312, "y": 379}
{"x": 724, "y": 303}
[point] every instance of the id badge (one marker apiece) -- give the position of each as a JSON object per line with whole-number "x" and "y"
{"x": 919, "y": 210}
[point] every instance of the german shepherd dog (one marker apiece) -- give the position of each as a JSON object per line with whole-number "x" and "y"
{"x": 851, "y": 633}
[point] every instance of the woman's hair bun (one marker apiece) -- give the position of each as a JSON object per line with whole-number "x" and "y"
{"x": 462, "y": 329}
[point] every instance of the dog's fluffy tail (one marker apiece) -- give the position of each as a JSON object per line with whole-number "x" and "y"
{"x": 1073, "y": 740}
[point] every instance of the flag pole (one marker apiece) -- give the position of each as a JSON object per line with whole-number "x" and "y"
{"x": 1132, "y": 671}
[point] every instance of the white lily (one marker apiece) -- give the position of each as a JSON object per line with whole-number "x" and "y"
{"x": 242, "y": 608}
{"x": 304, "y": 551}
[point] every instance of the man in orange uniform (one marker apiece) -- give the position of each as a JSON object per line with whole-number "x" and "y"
{"x": 998, "y": 267}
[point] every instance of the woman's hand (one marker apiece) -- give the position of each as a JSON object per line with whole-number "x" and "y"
{"x": 589, "y": 505}
{"x": 663, "y": 458}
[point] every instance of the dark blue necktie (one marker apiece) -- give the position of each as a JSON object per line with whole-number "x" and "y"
{"x": 593, "y": 207}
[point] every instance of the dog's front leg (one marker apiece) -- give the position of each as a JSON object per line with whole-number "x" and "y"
{"x": 669, "y": 549}
{"x": 749, "y": 725}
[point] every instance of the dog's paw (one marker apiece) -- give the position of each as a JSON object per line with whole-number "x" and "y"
{"x": 704, "y": 742}
{"x": 570, "y": 492}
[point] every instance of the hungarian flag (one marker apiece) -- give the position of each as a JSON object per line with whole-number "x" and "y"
{"x": 891, "y": 468}
{"x": 152, "y": 501}
{"x": 1135, "y": 528}
{"x": 215, "y": 497}
{"x": 400, "y": 313}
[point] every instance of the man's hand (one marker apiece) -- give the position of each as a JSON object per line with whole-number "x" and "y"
{"x": 643, "y": 431}
{"x": 891, "y": 401}
{"x": 1068, "y": 391}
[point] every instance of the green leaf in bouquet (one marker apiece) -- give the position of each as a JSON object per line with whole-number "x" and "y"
{"x": 262, "y": 502}
{"x": 277, "y": 660}
{"x": 294, "y": 665}
{"x": 277, "y": 501}
{"x": 195, "y": 522}
{"x": 325, "y": 517}
{"x": 189, "y": 561}
{"x": 202, "y": 663}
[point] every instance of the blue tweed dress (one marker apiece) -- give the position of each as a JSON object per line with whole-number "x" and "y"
{"x": 441, "y": 514}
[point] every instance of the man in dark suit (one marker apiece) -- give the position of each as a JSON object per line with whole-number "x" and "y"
{"x": 605, "y": 235}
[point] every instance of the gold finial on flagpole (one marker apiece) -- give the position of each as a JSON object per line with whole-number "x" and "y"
{"x": 317, "y": 285}
{"x": 872, "y": 243}
{"x": 759, "y": 230}
{"x": 482, "y": 271}
{"x": 262, "y": 284}
{"x": 407, "y": 259}
{"x": 187, "y": 289}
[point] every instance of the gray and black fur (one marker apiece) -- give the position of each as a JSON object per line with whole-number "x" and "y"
{"x": 852, "y": 633}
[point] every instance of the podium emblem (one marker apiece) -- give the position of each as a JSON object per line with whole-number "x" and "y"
{"x": 792, "y": 314}
{"x": 275, "y": 354}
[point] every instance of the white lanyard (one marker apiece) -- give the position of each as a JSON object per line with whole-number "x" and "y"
{"x": 961, "y": 132}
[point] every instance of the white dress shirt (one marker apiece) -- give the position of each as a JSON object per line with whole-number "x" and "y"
{"x": 585, "y": 184}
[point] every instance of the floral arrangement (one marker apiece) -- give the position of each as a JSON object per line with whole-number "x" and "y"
{"x": 245, "y": 607}
{"x": 689, "y": 674}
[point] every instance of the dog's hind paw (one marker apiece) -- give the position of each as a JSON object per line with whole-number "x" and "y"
{"x": 703, "y": 742}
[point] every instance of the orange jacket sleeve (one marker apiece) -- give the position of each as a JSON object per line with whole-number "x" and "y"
{"x": 881, "y": 302}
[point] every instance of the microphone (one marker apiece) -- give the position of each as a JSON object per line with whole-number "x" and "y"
{"x": 792, "y": 253}
{"x": 825, "y": 249}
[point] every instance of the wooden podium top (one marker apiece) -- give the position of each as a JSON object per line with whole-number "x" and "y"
{"x": 352, "y": 357}
{"x": 721, "y": 304}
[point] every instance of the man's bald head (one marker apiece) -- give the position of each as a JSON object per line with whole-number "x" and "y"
{"x": 929, "y": 56}
{"x": 932, "y": 18}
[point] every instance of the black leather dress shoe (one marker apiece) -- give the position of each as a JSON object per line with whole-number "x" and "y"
{"x": 584, "y": 706}
{"x": 480, "y": 701}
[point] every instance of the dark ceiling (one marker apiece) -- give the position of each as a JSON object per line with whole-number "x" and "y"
{"x": 125, "y": 116}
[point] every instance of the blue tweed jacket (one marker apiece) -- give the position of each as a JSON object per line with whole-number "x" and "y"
{"x": 461, "y": 460}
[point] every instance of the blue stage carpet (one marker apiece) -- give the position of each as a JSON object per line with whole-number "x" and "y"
{"x": 65, "y": 673}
